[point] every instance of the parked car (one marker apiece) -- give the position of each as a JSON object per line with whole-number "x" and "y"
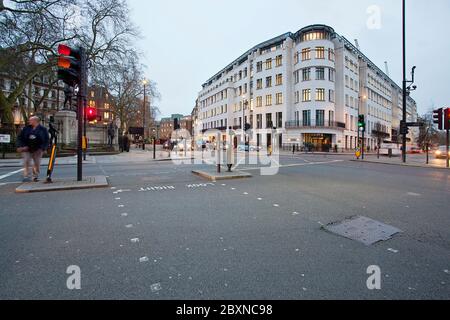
{"x": 247, "y": 147}
{"x": 440, "y": 153}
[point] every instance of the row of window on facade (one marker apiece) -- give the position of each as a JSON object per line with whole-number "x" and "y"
{"x": 379, "y": 85}
{"x": 319, "y": 53}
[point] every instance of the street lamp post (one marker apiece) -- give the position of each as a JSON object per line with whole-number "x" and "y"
{"x": 404, "y": 79}
{"x": 244, "y": 106}
{"x": 145, "y": 82}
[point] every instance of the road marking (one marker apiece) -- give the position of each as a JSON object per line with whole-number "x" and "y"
{"x": 10, "y": 174}
{"x": 413, "y": 194}
{"x": 293, "y": 165}
{"x": 393, "y": 250}
{"x": 276, "y": 205}
{"x": 135, "y": 240}
{"x": 200, "y": 185}
{"x": 124, "y": 214}
{"x": 156, "y": 188}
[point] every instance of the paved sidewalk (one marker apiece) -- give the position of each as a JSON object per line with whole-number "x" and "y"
{"x": 410, "y": 163}
{"x": 44, "y": 163}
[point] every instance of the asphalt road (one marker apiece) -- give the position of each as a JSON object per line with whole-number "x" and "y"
{"x": 160, "y": 232}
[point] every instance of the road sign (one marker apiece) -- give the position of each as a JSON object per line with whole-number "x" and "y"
{"x": 5, "y": 138}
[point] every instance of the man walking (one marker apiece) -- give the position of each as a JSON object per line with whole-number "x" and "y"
{"x": 32, "y": 142}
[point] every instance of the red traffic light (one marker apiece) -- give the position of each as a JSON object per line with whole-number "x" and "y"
{"x": 64, "y": 50}
{"x": 447, "y": 119}
{"x": 91, "y": 114}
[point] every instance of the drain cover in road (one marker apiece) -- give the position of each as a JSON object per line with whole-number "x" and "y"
{"x": 363, "y": 229}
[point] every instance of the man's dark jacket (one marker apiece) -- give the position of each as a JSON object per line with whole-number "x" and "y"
{"x": 35, "y": 139}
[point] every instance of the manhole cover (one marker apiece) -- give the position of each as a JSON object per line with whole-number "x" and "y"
{"x": 363, "y": 229}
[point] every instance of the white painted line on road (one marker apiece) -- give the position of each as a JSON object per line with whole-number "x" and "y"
{"x": 259, "y": 199}
{"x": 293, "y": 165}
{"x": 116, "y": 198}
{"x": 143, "y": 259}
{"x": 413, "y": 194}
{"x": 124, "y": 214}
{"x": 392, "y": 250}
{"x": 295, "y": 213}
{"x": 245, "y": 193}
{"x": 134, "y": 240}
{"x": 129, "y": 226}
{"x": 10, "y": 174}
{"x": 276, "y": 205}
{"x": 121, "y": 206}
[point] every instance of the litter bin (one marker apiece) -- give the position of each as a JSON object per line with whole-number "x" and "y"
{"x": 390, "y": 152}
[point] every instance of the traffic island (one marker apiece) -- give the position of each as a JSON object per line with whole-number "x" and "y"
{"x": 213, "y": 175}
{"x": 63, "y": 185}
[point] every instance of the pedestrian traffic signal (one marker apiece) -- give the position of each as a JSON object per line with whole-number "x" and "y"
{"x": 91, "y": 114}
{"x": 69, "y": 65}
{"x": 437, "y": 117}
{"x": 361, "y": 122}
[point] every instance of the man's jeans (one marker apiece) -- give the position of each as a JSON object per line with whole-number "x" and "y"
{"x": 36, "y": 157}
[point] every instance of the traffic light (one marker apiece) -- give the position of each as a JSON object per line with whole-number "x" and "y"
{"x": 447, "y": 119}
{"x": 91, "y": 114}
{"x": 361, "y": 122}
{"x": 437, "y": 117}
{"x": 404, "y": 130}
{"x": 69, "y": 65}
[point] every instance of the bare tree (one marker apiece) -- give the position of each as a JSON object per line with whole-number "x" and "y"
{"x": 123, "y": 79}
{"x": 30, "y": 32}
{"x": 428, "y": 133}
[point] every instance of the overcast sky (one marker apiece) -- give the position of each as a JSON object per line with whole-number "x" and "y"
{"x": 187, "y": 41}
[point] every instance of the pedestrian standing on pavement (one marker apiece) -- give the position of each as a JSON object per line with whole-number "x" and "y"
{"x": 32, "y": 143}
{"x": 126, "y": 142}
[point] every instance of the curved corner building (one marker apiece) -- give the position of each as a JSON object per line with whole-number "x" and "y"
{"x": 313, "y": 84}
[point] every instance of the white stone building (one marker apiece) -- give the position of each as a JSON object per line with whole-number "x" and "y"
{"x": 310, "y": 85}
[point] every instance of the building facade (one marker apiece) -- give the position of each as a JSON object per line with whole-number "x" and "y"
{"x": 310, "y": 86}
{"x": 40, "y": 97}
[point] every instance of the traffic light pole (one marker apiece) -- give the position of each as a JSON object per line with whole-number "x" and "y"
{"x": 84, "y": 129}
{"x": 404, "y": 138}
{"x": 82, "y": 95}
{"x": 363, "y": 143}
{"x": 448, "y": 148}
{"x": 359, "y": 142}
